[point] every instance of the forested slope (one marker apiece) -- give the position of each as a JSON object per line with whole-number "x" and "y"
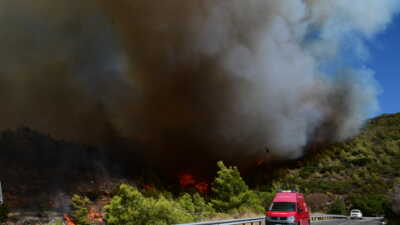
{"x": 360, "y": 171}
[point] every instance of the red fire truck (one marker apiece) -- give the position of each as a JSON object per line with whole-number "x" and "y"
{"x": 288, "y": 208}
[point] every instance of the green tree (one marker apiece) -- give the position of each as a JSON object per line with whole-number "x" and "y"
{"x": 265, "y": 198}
{"x": 130, "y": 207}
{"x": 80, "y": 211}
{"x": 231, "y": 192}
{"x": 256, "y": 202}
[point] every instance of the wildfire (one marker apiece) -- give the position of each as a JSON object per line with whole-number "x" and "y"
{"x": 149, "y": 187}
{"x": 187, "y": 180}
{"x": 68, "y": 220}
{"x": 95, "y": 216}
{"x": 202, "y": 187}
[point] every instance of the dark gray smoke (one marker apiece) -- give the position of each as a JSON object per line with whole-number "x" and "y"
{"x": 204, "y": 78}
{"x": 60, "y": 65}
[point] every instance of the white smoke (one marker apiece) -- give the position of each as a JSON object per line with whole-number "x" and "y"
{"x": 209, "y": 77}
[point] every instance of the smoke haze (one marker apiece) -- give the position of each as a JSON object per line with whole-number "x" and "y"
{"x": 200, "y": 78}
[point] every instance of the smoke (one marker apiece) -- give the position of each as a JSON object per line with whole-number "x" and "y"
{"x": 59, "y": 65}
{"x": 191, "y": 79}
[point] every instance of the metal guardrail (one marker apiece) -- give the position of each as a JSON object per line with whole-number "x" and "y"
{"x": 261, "y": 220}
{"x": 326, "y": 217}
{"x": 253, "y": 221}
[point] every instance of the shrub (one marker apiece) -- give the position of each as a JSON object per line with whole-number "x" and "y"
{"x": 3, "y": 212}
{"x": 130, "y": 207}
{"x": 337, "y": 207}
{"x": 360, "y": 161}
{"x": 393, "y": 217}
{"x": 265, "y": 198}
{"x": 392, "y": 211}
{"x": 340, "y": 187}
{"x": 56, "y": 222}
{"x": 396, "y": 197}
{"x": 317, "y": 201}
{"x": 369, "y": 204}
{"x": 80, "y": 211}
{"x": 307, "y": 171}
{"x": 257, "y": 201}
{"x": 196, "y": 206}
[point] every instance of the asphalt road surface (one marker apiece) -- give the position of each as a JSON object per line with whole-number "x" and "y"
{"x": 365, "y": 221}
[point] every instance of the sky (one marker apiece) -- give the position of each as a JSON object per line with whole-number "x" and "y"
{"x": 385, "y": 61}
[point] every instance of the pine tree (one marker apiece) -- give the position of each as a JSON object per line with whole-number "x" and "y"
{"x": 229, "y": 189}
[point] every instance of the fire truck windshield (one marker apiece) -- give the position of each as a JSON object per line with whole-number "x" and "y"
{"x": 283, "y": 206}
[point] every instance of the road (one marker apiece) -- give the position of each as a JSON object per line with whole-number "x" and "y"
{"x": 365, "y": 221}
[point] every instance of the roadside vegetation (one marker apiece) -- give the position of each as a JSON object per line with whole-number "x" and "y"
{"x": 361, "y": 172}
{"x": 129, "y": 205}
{"x": 3, "y": 212}
{"x": 80, "y": 209}
{"x": 393, "y": 212}
{"x": 356, "y": 174}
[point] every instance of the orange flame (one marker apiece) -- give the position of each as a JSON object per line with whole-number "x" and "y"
{"x": 202, "y": 187}
{"x": 187, "y": 180}
{"x": 149, "y": 188}
{"x": 68, "y": 220}
{"x": 95, "y": 216}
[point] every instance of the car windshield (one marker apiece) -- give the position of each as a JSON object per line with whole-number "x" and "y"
{"x": 355, "y": 211}
{"x": 283, "y": 206}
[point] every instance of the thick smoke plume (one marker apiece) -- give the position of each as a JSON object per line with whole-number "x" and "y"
{"x": 213, "y": 79}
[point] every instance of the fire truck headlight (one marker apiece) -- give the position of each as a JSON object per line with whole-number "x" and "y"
{"x": 291, "y": 219}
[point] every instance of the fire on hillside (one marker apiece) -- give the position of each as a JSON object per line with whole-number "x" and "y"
{"x": 188, "y": 181}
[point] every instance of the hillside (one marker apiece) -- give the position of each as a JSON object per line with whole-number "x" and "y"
{"x": 38, "y": 171}
{"x": 361, "y": 170}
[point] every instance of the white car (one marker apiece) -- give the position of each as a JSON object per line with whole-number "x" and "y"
{"x": 356, "y": 214}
